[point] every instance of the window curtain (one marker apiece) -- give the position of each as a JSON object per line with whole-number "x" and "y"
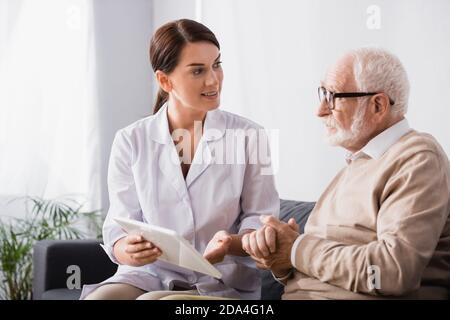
{"x": 48, "y": 120}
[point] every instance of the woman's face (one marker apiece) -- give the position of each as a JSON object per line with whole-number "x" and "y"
{"x": 196, "y": 82}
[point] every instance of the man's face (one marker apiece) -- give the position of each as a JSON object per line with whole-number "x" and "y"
{"x": 345, "y": 123}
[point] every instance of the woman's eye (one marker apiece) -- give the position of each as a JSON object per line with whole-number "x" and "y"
{"x": 197, "y": 71}
{"x": 217, "y": 64}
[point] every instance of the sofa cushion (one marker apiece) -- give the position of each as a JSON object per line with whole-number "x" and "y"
{"x": 52, "y": 258}
{"x": 271, "y": 289}
{"x": 296, "y": 209}
{"x": 61, "y": 294}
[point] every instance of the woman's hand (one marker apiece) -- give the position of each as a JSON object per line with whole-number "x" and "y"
{"x": 134, "y": 250}
{"x": 218, "y": 247}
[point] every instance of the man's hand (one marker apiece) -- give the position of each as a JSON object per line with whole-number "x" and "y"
{"x": 218, "y": 247}
{"x": 280, "y": 260}
{"x": 260, "y": 243}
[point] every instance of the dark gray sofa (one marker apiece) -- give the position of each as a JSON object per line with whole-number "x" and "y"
{"x": 51, "y": 258}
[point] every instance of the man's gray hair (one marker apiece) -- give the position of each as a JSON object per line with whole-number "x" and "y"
{"x": 377, "y": 70}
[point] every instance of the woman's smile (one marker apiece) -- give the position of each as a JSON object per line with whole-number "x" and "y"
{"x": 210, "y": 95}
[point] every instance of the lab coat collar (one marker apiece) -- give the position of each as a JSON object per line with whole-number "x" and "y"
{"x": 214, "y": 127}
{"x": 160, "y": 132}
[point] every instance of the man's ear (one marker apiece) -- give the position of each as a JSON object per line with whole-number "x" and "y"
{"x": 164, "y": 81}
{"x": 380, "y": 105}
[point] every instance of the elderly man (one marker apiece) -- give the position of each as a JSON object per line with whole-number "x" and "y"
{"x": 381, "y": 228}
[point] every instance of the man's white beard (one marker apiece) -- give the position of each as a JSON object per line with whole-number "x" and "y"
{"x": 344, "y": 137}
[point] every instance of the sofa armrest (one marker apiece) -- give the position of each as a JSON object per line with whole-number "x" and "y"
{"x": 51, "y": 259}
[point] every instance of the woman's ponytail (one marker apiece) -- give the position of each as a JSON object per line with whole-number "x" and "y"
{"x": 160, "y": 100}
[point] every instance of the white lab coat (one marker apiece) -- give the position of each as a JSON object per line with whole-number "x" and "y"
{"x": 146, "y": 184}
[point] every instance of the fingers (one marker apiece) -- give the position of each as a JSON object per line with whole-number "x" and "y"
{"x": 262, "y": 263}
{"x": 222, "y": 243}
{"x": 245, "y": 242}
{"x": 280, "y": 226}
{"x": 271, "y": 238}
{"x": 225, "y": 240}
{"x": 222, "y": 235}
{"x": 216, "y": 255}
{"x": 261, "y": 242}
{"x": 294, "y": 226}
{"x": 132, "y": 239}
{"x": 222, "y": 240}
{"x": 253, "y": 244}
{"x": 261, "y": 266}
{"x": 218, "y": 247}
{"x": 134, "y": 248}
{"x": 272, "y": 222}
{"x": 212, "y": 255}
{"x": 136, "y": 243}
{"x": 149, "y": 254}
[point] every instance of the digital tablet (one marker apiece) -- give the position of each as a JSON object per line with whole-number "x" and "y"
{"x": 175, "y": 249}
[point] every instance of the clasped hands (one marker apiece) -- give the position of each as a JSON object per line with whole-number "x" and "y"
{"x": 270, "y": 246}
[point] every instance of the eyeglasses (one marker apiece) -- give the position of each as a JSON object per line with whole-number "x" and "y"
{"x": 329, "y": 96}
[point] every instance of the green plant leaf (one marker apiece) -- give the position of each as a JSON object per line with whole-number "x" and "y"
{"x": 47, "y": 219}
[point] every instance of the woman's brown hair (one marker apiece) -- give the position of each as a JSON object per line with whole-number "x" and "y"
{"x": 168, "y": 42}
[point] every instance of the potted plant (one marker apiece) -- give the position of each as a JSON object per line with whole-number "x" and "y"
{"x": 60, "y": 218}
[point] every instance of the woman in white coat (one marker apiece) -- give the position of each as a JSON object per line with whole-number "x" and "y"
{"x": 184, "y": 168}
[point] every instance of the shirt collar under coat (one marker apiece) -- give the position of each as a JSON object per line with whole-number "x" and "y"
{"x": 376, "y": 147}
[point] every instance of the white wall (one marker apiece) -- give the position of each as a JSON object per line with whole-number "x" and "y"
{"x": 275, "y": 53}
{"x": 124, "y": 77}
